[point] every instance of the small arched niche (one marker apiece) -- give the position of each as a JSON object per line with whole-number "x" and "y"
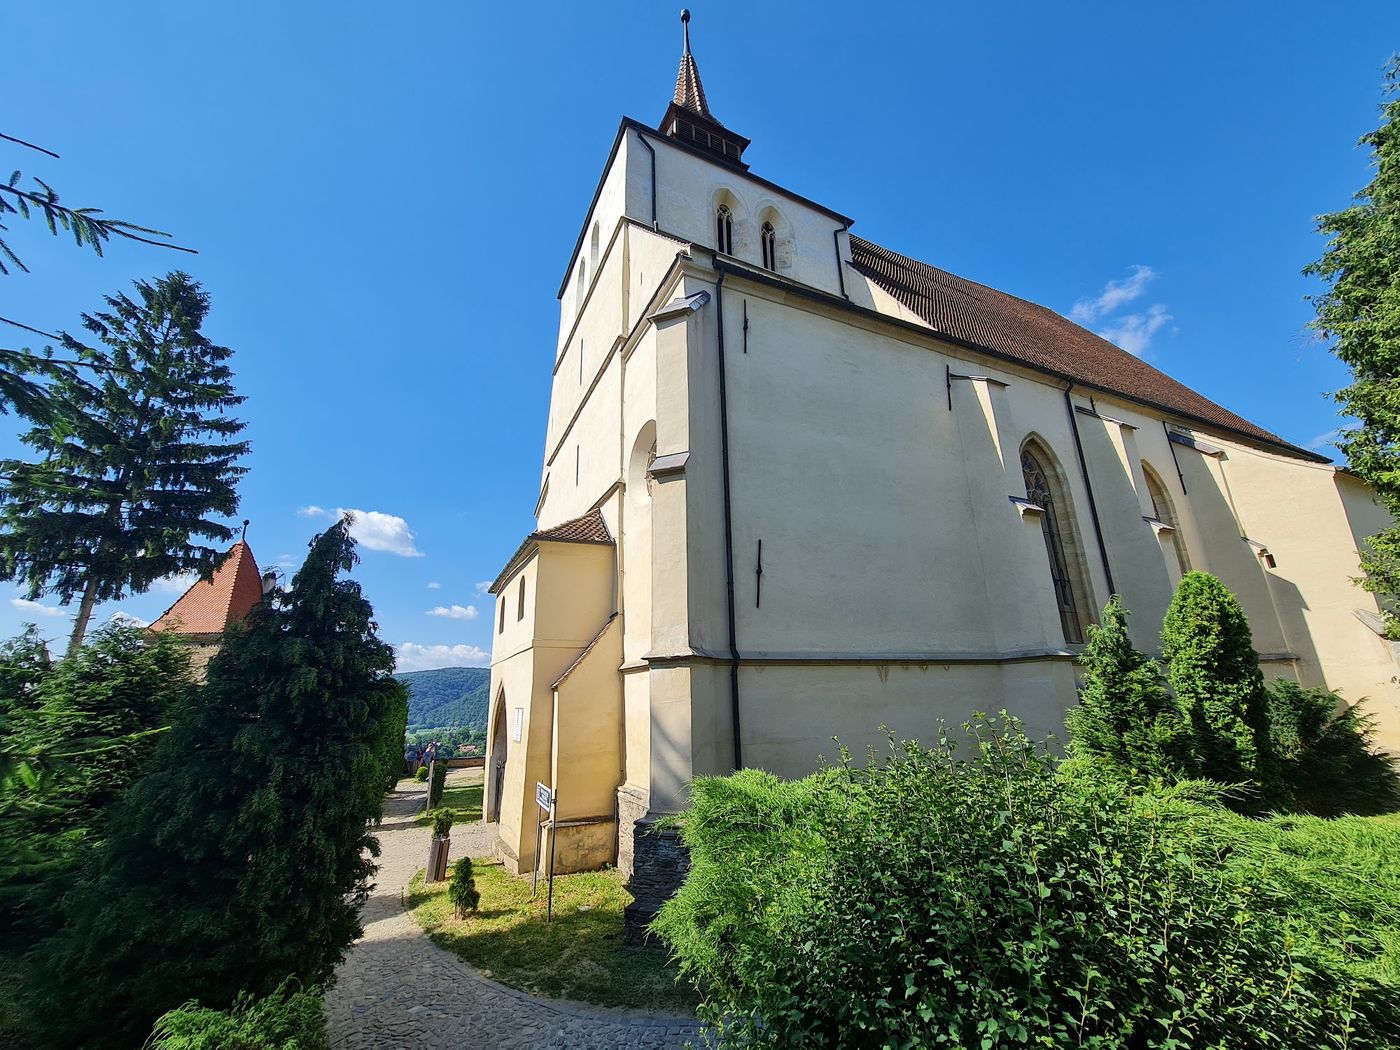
{"x": 639, "y": 461}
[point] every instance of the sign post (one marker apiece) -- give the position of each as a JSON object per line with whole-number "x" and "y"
{"x": 545, "y": 802}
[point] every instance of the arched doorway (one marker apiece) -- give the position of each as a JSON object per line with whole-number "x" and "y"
{"x": 496, "y": 763}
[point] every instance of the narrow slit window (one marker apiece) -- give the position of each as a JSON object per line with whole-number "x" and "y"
{"x": 769, "y": 238}
{"x": 501, "y": 606}
{"x": 520, "y": 601}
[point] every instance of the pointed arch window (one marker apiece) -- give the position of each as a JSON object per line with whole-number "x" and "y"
{"x": 1165, "y": 512}
{"x": 1043, "y": 488}
{"x": 769, "y": 239}
{"x": 724, "y": 229}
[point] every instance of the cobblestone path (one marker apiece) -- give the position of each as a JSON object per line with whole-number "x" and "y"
{"x": 398, "y": 989}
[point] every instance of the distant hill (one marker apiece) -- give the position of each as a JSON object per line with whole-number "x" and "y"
{"x": 447, "y": 696}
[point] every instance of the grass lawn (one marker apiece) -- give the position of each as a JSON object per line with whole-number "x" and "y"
{"x": 579, "y": 956}
{"x": 463, "y": 799}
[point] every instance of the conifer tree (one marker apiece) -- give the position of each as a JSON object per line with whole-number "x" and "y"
{"x": 1125, "y": 715}
{"x": 239, "y": 860}
{"x": 1359, "y": 314}
{"x": 87, "y": 727}
{"x": 134, "y": 461}
{"x": 1214, "y": 671}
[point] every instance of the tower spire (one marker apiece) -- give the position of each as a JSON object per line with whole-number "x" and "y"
{"x": 688, "y": 118}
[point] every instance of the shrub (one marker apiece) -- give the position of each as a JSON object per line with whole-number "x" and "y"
{"x": 243, "y": 855}
{"x": 1125, "y": 716}
{"x": 439, "y": 769}
{"x": 930, "y": 901}
{"x": 1328, "y": 762}
{"x": 462, "y": 889}
{"x": 1214, "y": 671}
{"x": 285, "y": 1020}
{"x": 422, "y": 775}
{"x": 443, "y": 819}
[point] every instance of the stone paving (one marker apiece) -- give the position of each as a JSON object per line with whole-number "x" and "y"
{"x": 398, "y": 989}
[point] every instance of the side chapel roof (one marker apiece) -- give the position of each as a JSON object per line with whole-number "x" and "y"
{"x": 210, "y": 606}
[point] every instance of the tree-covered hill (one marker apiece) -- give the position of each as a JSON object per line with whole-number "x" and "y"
{"x": 447, "y": 696}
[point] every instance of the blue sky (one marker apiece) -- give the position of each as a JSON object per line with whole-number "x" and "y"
{"x": 384, "y": 199}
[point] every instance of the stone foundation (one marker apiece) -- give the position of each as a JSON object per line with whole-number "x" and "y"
{"x": 632, "y": 806}
{"x": 659, "y": 865}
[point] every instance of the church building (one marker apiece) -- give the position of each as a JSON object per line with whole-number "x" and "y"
{"x": 797, "y": 486}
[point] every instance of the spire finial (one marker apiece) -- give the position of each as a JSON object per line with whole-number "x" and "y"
{"x": 685, "y": 29}
{"x": 245, "y": 530}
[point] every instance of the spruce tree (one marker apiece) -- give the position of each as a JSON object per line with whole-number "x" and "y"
{"x": 133, "y": 462}
{"x": 1125, "y": 716}
{"x": 1359, "y": 314}
{"x": 1214, "y": 671}
{"x": 87, "y": 727}
{"x": 240, "y": 859}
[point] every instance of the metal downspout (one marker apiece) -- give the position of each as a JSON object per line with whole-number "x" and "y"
{"x": 1089, "y": 488}
{"x": 728, "y": 532}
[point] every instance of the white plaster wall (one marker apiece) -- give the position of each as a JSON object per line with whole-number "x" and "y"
{"x": 690, "y": 189}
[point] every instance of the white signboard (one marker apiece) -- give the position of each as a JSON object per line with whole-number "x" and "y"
{"x": 544, "y": 797}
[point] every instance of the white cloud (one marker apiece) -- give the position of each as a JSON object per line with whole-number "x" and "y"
{"x": 24, "y": 605}
{"x": 1114, "y": 295}
{"x": 435, "y": 586}
{"x": 1134, "y": 332}
{"x": 175, "y": 585}
{"x": 484, "y": 586}
{"x": 286, "y": 561}
{"x": 125, "y": 619}
{"x": 414, "y": 657}
{"x": 373, "y": 529}
{"x": 1327, "y": 440}
{"x": 453, "y": 612}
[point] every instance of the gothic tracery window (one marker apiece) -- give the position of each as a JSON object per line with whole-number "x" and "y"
{"x": 769, "y": 237}
{"x": 1042, "y": 489}
{"x": 724, "y": 230}
{"x": 1164, "y": 512}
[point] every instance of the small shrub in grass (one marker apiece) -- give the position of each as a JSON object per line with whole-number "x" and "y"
{"x": 1328, "y": 761}
{"x": 287, "y": 1019}
{"x": 443, "y": 819}
{"x": 462, "y": 890}
{"x": 439, "y": 781}
{"x": 927, "y": 900}
{"x": 422, "y": 775}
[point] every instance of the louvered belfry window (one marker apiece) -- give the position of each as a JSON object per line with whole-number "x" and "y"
{"x": 1040, "y": 490}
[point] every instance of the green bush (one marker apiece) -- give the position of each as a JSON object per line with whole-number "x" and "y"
{"x": 285, "y": 1020}
{"x": 443, "y": 819}
{"x": 422, "y": 775}
{"x": 930, "y": 901}
{"x": 1125, "y": 716}
{"x": 1214, "y": 672}
{"x": 1328, "y": 761}
{"x": 462, "y": 891}
{"x": 439, "y": 781}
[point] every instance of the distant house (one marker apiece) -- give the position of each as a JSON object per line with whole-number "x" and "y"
{"x": 205, "y": 611}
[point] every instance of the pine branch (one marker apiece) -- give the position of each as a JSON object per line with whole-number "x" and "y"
{"x": 21, "y": 142}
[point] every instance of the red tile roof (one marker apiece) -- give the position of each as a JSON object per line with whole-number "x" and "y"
{"x": 591, "y": 528}
{"x": 212, "y": 605}
{"x": 1020, "y": 330}
{"x": 690, "y": 93}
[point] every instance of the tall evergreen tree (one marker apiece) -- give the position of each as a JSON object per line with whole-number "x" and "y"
{"x": 1214, "y": 671}
{"x": 135, "y": 462}
{"x": 240, "y": 860}
{"x": 1359, "y": 314}
{"x": 87, "y": 727}
{"x": 1125, "y": 715}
